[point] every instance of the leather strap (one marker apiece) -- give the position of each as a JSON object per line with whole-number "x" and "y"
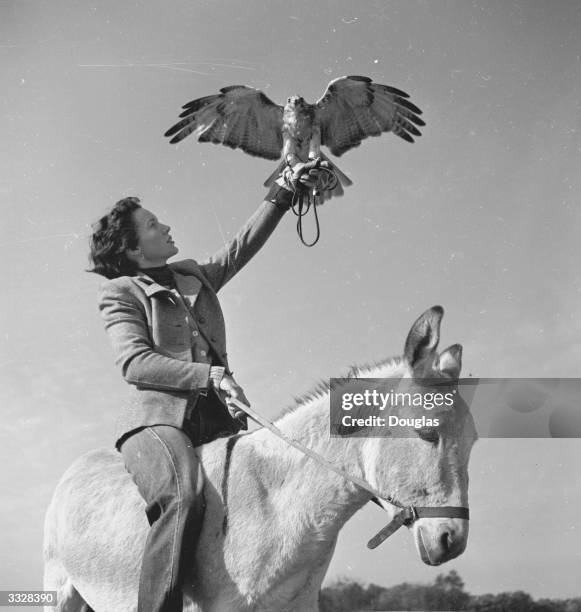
{"x": 408, "y": 516}
{"x": 460, "y": 512}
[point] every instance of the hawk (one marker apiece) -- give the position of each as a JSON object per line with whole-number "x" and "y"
{"x": 351, "y": 109}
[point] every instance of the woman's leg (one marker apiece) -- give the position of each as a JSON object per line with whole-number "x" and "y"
{"x": 166, "y": 470}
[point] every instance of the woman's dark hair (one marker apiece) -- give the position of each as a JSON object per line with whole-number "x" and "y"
{"x": 112, "y": 235}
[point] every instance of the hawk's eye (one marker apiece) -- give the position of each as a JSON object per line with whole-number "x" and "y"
{"x": 428, "y": 434}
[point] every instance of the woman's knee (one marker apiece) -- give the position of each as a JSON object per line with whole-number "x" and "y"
{"x": 188, "y": 479}
{"x": 191, "y": 482}
{"x": 164, "y": 466}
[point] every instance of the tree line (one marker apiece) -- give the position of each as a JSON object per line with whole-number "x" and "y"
{"x": 446, "y": 593}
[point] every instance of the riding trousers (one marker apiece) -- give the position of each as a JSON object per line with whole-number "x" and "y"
{"x": 166, "y": 470}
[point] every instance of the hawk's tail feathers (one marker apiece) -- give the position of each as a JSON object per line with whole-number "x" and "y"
{"x": 343, "y": 178}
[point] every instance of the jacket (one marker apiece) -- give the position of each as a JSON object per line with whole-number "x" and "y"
{"x": 165, "y": 340}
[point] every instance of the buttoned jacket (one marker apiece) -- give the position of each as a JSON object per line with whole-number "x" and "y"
{"x": 165, "y": 340}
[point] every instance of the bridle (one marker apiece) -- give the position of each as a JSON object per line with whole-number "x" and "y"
{"x": 408, "y": 515}
{"x": 405, "y": 515}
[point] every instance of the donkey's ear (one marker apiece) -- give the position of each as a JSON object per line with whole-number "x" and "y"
{"x": 450, "y": 361}
{"x": 424, "y": 336}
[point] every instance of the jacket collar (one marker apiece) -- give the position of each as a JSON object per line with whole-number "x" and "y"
{"x": 188, "y": 285}
{"x": 148, "y": 285}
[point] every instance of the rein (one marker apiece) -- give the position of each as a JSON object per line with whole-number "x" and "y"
{"x": 405, "y": 515}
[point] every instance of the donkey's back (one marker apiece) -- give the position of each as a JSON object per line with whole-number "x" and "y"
{"x": 96, "y": 528}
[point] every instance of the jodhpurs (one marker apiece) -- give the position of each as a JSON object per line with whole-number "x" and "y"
{"x": 164, "y": 466}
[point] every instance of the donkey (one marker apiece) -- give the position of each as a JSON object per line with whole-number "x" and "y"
{"x": 273, "y": 514}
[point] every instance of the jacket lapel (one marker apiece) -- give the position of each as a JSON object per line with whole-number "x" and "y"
{"x": 189, "y": 286}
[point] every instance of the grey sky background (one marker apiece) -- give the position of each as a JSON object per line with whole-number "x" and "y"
{"x": 480, "y": 215}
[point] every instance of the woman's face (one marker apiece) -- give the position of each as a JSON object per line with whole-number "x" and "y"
{"x": 155, "y": 245}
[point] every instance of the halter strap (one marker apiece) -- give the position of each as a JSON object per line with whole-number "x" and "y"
{"x": 407, "y": 516}
{"x": 460, "y": 512}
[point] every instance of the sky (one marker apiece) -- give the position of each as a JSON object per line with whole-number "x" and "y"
{"x": 479, "y": 215}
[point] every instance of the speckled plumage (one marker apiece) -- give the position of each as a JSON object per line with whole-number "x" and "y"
{"x": 351, "y": 109}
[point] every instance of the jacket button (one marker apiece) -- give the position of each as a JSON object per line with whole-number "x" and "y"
{"x": 195, "y": 333}
{"x": 213, "y": 339}
{"x": 202, "y": 320}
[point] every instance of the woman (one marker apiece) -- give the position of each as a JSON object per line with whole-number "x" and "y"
{"x": 167, "y": 331}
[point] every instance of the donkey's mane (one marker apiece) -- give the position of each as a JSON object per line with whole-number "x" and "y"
{"x": 323, "y": 387}
{"x": 391, "y": 363}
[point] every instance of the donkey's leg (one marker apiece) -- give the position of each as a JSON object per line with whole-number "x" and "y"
{"x": 55, "y": 579}
{"x": 70, "y": 600}
{"x": 67, "y": 597}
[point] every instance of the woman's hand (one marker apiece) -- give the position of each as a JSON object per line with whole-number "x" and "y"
{"x": 305, "y": 174}
{"x": 231, "y": 390}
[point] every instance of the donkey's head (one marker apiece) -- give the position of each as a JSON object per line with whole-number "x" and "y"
{"x": 424, "y": 463}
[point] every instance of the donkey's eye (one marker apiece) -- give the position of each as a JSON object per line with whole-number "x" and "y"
{"x": 428, "y": 434}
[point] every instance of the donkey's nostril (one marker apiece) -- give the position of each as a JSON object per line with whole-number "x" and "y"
{"x": 446, "y": 541}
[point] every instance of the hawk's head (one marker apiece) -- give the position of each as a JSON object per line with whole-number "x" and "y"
{"x": 295, "y": 102}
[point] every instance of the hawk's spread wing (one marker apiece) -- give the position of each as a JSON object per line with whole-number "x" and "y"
{"x": 238, "y": 117}
{"x": 354, "y": 107}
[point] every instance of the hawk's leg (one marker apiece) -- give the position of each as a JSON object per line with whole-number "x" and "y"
{"x": 289, "y": 152}
{"x": 315, "y": 143}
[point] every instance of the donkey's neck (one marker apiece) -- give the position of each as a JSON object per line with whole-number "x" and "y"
{"x": 321, "y": 497}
